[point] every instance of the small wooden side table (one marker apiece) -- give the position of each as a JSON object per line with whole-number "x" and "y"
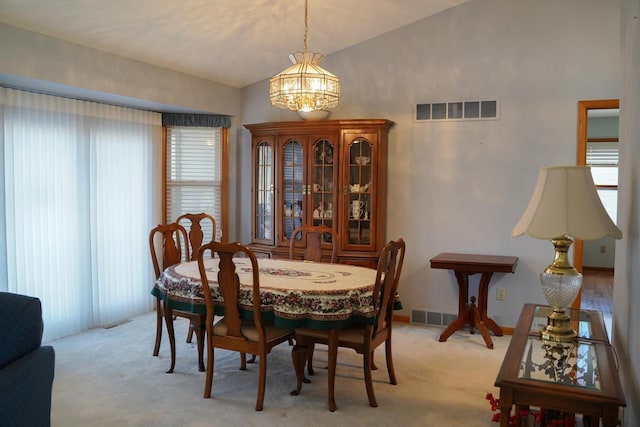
{"x": 463, "y": 266}
{"x": 580, "y": 377}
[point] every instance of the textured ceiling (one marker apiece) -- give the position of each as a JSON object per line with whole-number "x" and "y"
{"x": 234, "y": 42}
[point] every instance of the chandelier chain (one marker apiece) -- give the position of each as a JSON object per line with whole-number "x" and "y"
{"x": 306, "y": 28}
{"x": 305, "y": 86}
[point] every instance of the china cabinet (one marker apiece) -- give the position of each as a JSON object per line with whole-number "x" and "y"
{"x": 322, "y": 172}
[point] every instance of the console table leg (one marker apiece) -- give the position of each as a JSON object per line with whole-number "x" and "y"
{"x": 480, "y": 325}
{"x": 464, "y": 315}
{"x": 506, "y": 402}
{"x": 505, "y": 414}
{"x": 463, "y": 291}
{"x": 610, "y": 416}
{"x": 462, "y": 320}
{"x": 493, "y": 326}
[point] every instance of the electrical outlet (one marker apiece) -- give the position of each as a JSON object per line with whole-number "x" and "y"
{"x": 500, "y": 294}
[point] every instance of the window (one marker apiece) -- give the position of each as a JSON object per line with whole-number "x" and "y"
{"x": 602, "y": 157}
{"x": 80, "y": 189}
{"x": 195, "y": 163}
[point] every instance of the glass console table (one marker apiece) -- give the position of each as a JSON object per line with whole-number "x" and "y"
{"x": 579, "y": 377}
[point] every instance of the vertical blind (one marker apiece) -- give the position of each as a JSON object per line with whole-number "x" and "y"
{"x": 194, "y": 174}
{"x": 81, "y": 192}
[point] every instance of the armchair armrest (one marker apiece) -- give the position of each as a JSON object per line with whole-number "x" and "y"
{"x": 25, "y": 387}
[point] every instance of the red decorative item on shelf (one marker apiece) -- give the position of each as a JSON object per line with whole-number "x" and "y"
{"x": 541, "y": 418}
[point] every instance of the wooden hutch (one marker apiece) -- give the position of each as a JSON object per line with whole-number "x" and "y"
{"x": 331, "y": 172}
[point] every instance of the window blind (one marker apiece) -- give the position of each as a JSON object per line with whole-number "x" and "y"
{"x": 194, "y": 174}
{"x": 602, "y": 153}
{"x": 81, "y": 186}
{"x": 603, "y": 159}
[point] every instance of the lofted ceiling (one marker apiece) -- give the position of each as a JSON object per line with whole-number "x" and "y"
{"x": 234, "y": 42}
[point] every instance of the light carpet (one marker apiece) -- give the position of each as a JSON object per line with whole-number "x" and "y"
{"x": 108, "y": 377}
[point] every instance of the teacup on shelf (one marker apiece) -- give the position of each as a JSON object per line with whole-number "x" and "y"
{"x": 363, "y": 160}
{"x": 357, "y": 188}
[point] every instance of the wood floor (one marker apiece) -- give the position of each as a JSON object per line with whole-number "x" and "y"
{"x": 597, "y": 293}
{"x": 597, "y": 290}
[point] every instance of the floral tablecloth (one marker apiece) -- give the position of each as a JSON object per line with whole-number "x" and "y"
{"x": 292, "y": 293}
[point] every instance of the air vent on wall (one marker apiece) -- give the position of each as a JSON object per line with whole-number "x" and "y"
{"x": 457, "y": 110}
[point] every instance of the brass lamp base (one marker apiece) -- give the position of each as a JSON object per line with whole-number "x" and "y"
{"x": 558, "y": 327}
{"x": 560, "y": 284}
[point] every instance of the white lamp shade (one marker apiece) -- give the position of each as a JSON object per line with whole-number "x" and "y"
{"x": 565, "y": 203}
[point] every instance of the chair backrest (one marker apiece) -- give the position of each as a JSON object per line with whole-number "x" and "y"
{"x": 229, "y": 284}
{"x": 389, "y": 269}
{"x": 174, "y": 236}
{"x": 194, "y": 223}
{"x": 315, "y": 237}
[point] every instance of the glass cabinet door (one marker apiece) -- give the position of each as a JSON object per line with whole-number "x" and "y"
{"x": 292, "y": 187}
{"x": 263, "y": 192}
{"x": 359, "y": 209}
{"x": 323, "y": 180}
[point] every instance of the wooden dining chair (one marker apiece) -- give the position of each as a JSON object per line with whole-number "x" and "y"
{"x": 309, "y": 246}
{"x": 313, "y": 236}
{"x": 365, "y": 338}
{"x": 173, "y": 243}
{"x": 237, "y": 330}
{"x": 193, "y": 223}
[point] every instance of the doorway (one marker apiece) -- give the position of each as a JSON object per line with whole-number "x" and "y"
{"x": 598, "y": 148}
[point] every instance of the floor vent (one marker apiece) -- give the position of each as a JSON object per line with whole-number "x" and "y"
{"x": 418, "y": 316}
{"x": 434, "y": 318}
{"x": 448, "y": 318}
{"x": 422, "y": 316}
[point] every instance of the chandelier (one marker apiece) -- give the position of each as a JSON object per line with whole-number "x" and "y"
{"x": 305, "y": 86}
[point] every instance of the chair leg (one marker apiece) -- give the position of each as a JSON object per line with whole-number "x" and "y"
{"x": 310, "y": 358}
{"x": 190, "y": 334}
{"x": 392, "y": 372}
{"x": 299, "y": 356}
{"x": 243, "y": 361}
{"x": 368, "y": 380}
{"x": 333, "y": 357}
{"x": 262, "y": 381}
{"x": 199, "y": 329}
{"x": 209, "y": 378}
{"x": 156, "y": 347}
{"x": 168, "y": 318}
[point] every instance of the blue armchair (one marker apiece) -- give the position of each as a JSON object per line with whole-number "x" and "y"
{"x": 26, "y": 367}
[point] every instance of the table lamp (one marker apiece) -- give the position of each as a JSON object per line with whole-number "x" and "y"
{"x": 564, "y": 206}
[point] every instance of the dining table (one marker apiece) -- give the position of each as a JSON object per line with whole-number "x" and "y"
{"x": 293, "y": 293}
